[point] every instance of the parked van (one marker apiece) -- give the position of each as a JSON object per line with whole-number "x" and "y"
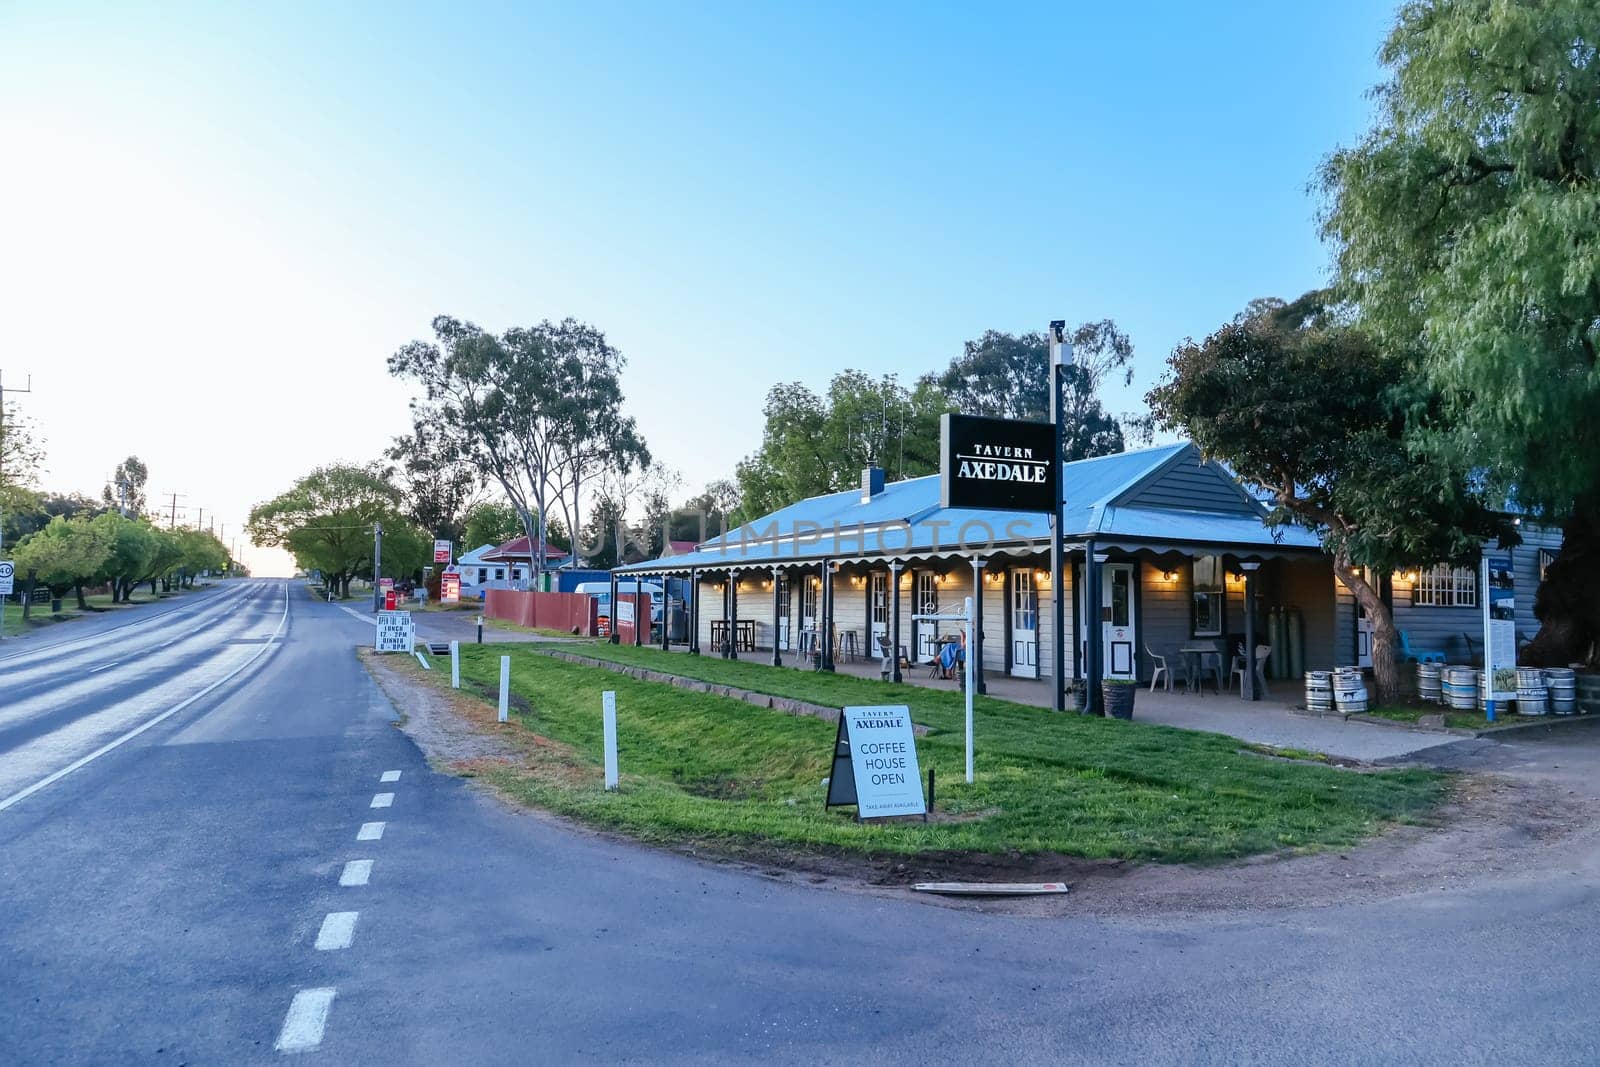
{"x": 601, "y": 591}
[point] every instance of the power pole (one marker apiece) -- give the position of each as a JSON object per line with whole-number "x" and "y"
{"x": 201, "y": 520}
{"x": 172, "y": 521}
{"x": 377, "y": 565}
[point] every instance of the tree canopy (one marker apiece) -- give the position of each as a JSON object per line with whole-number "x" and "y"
{"x": 1316, "y": 414}
{"x": 1006, "y": 375}
{"x": 537, "y": 409}
{"x": 326, "y": 521}
{"x": 1466, "y": 225}
{"x": 819, "y": 444}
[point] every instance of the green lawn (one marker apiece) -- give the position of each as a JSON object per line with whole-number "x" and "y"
{"x": 1460, "y": 720}
{"x": 698, "y": 767}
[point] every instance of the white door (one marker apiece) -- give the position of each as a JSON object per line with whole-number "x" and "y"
{"x": 1024, "y": 624}
{"x": 783, "y": 612}
{"x": 927, "y": 604}
{"x": 1363, "y": 631}
{"x": 1119, "y": 635}
{"x": 878, "y": 624}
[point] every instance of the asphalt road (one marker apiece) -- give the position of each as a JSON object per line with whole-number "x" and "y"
{"x": 165, "y": 902}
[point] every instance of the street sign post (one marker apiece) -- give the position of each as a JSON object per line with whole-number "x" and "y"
{"x": 441, "y": 551}
{"x": 8, "y": 573}
{"x": 449, "y": 588}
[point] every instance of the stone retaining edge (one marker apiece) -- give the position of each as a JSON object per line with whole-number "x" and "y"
{"x": 787, "y": 705}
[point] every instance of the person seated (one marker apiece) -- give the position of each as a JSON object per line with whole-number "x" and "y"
{"x": 952, "y": 657}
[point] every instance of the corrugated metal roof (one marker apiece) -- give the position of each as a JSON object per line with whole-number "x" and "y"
{"x": 906, "y": 521}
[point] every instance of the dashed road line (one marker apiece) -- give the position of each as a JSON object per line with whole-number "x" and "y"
{"x": 356, "y": 872}
{"x": 308, "y": 1015}
{"x": 338, "y": 930}
{"x": 383, "y": 800}
{"x": 370, "y": 831}
{"x": 102, "y": 667}
{"x": 390, "y": 776}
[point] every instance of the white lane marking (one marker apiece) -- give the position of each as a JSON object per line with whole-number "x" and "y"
{"x": 271, "y": 642}
{"x": 61, "y": 646}
{"x": 369, "y": 619}
{"x": 370, "y": 831}
{"x": 382, "y": 800}
{"x": 107, "y": 666}
{"x": 356, "y": 872}
{"x": 308, "y": 1015}
{"x": 338, "y": 930}
{"x": 390, "y": 776}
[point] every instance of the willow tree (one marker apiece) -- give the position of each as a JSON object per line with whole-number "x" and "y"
{"x": 1467, "y": 226}
{"x": 1313, "y": 414}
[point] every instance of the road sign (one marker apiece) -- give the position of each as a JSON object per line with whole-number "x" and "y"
{"x": 877, "y": 750}
{"x": 7, "y": 575}
{"x": 449, "y": 588}
{"x": 396, "y": 633}
{"x": 441, "y": 551}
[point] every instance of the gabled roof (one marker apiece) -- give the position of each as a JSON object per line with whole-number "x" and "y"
{"x": 1156, "y": 497}
{"x": 516, "y": 550}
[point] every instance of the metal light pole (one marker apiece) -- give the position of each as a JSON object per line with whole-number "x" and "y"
{"x": 1060, "y": 357}
{"x": 1250, "y": 630}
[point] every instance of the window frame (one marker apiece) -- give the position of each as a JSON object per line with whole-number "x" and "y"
{"x": 1219, "y": 591}
{"x": 1433, "y": 583}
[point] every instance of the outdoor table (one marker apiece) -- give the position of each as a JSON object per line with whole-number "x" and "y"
{"x": 1193, "y": 662}
{"x": 744, "y": 635}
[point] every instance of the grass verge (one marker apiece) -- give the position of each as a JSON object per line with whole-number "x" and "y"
{"x": 1460, "y": 720}
{"x": 703, "y": 768}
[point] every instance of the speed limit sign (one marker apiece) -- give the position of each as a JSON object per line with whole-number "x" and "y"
{"x": 7, "y": 570}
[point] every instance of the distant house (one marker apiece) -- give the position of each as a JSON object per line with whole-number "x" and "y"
{"x": 476, "y": 571}
{"x": 510, "y": 566}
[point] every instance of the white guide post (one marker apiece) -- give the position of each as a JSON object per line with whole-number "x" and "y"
{"x": 505, "y": 686}
{"x": 608, "y": 715}
{"x": 972, "y": 645}
{"x": 455, "y": 665}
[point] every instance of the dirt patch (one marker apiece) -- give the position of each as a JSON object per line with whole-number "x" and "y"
{"x": 1494, "y": 827}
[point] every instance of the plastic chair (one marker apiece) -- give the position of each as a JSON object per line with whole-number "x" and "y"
{"x": 1420, "y": 655}
{"x": 1262, "y": 652}
{"x": 1161, "y": 672}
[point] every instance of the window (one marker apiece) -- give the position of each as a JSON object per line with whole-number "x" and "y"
{"x": 516, "y": 574}
{"x": 499, "y": 574}
{"x": 1445, "y": 586}
{"x": 483, "y": 575}
{"x": 1209, "y": 597}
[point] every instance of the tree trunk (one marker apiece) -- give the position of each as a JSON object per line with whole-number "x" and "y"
{"x": 1567, "y": 604}
{"x": 1385, "y": 671}
{"x": 83, "y": 604}
{"x": 27, "y": 597}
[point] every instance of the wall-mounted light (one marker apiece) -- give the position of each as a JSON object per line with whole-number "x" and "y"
{"x": 1170, "y": 577}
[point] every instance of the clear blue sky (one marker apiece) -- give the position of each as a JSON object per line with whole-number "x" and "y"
{"x": 275, "y": 197}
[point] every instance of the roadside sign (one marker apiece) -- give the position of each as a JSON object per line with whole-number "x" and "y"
{"x": 396, "y": 633}
{"x": 385, "y": 583}
{"x": 441, "y": 551}
{"x": 875, "y": 763}
{"x": 1499, "y": 633}
{"x": 8, "y": 573}
{"x": 449, "y": 588}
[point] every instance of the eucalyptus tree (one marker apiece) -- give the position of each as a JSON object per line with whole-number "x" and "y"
{"x": 528, "y": 408}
